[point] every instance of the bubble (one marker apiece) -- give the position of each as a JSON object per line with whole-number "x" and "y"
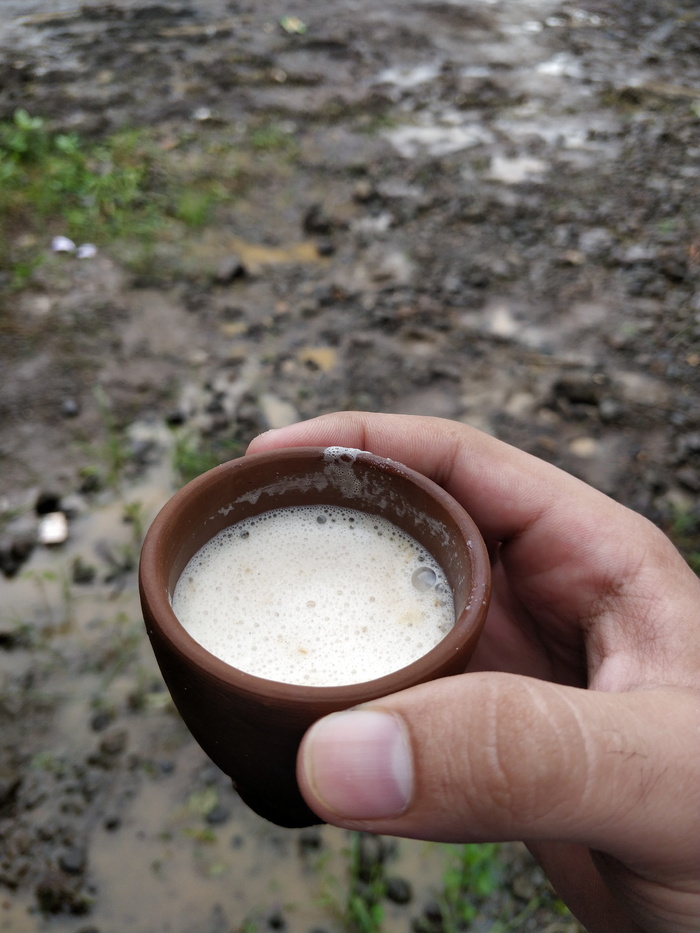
{"x": 321, "y": 519}
{"x": 424, "y": 578}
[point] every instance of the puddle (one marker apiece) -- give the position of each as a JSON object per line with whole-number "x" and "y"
{"x": 171, "y": 846}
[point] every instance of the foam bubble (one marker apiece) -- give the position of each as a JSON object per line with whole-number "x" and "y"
{"x": 315, "y": 595}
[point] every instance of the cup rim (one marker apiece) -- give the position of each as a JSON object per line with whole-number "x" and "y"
{"x": 153, "y": 586}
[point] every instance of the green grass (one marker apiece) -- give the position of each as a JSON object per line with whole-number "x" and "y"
{"x": 131, "y": 188}
{"x": 193, "y": 455}
{"x": 144, "y": 193}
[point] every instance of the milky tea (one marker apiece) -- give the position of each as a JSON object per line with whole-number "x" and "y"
{"x": 315, "y": 595}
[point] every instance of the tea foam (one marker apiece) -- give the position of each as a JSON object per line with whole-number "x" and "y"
{"x": 317, "y": 596}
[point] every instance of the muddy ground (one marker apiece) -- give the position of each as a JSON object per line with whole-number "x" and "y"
{"x": 487, "y": 211}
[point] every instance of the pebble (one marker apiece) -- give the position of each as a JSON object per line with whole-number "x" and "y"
{"x": 73, "y": 860}
{"x": 398, "y": 890}
{"x": 62, "y": 244}
{"x": 586, "y": 447}
{"x": 70, "y": 408}
{"x": 47, "y": 502}
{"x": 53, "y": 529}
{"x": 229, "y": 269}
{"x": 310, "y": 839}
{"x": 218, "y": 815}
{"x": 277, "y": 412}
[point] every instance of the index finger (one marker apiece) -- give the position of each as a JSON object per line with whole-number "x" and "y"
{"x": 504, "y": 489}
{"x": 575, "y": 559}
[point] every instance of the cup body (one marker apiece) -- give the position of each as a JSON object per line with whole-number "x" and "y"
{"x": 251, "y": 727}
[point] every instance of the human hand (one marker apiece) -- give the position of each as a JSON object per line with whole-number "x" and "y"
{"x": 577, "y": 727}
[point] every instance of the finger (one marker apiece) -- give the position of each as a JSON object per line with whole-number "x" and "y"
{"x": 578, "y": 882}
{"x": 496, "y": 757}
{"x": 580, "y": 561}
{"x": 500, "y": 485}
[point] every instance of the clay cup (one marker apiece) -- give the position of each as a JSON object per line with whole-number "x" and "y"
{"x": 251, "y": 727}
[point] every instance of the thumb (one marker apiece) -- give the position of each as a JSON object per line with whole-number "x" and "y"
{"x": 493, "y": 757}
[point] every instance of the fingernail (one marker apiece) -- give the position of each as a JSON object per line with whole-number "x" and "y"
{"x": 358, "y": 764}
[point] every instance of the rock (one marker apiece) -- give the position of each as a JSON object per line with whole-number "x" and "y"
{"x": 229, "y": 269}
{"x": 584, "y": 447}
{"x": 101, "y": 720}
{"x": 57, "y": 892}
{"x": 276, "y": 920}
{"x": 218, "y": 815}
{"x": 316, "y": 221}
{"x": 577, "y": 389}
{"x": 70, "y": 408}
{"x": 277, "y": 412}
{"x": 610, "y": 410}
{"x": 310, "y": 840}
{"x": 73, "y": 860}
{"x": 82, "y": 573}
{"x": 399, "y": 890}
{"x": 47, "y": 502}
{"x": 114, "y": 742}
{"x": 62, "y": 244}
{"x": 53, "y": 529}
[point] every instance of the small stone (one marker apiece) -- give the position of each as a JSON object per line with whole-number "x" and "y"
{"x": 47, "y": 502}
{"x": 62, "y": 244}
{"x": 310, "y": 839}
{"x": 70, "y": 408}
{"x": 363, "y": 191}
{"x": 276, "y": 921}
{"x": 82, "y": 573}
{"x": 316, "y": 221}
{"x": 277, "y": 412}
{"x": 610, "y": 410}
{"x": 101, "y": 720}
{"x": 578, "y": 389}
{"x": 398, "y": 890}
{"x": 86, "y": 251}
{"x": 217, "y": 815}
{"x": 114, "y": 742}
{"x": 432, "y": 911}
{"x": 73, "y": 860}
{"x": 584, "y": 447}
{"x": 53, "y": 529}
{"x": 229, "y": 269}
{"x": 22, "y": 546}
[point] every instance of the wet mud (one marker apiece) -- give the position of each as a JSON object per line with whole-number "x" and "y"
{"x": 484, "y": 211}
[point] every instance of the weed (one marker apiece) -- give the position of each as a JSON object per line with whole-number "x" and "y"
{"x": 56, "y": 596}
{"x": 194, "y": 207}
{"x": 124, "y": 190}
{"x": 192, "y": 455}
{"x": 469, "y": 880}
{"x": 112, "y": 454}
{"x": 273, "y": 138}
{"x": 118, "y": 651}
{"x": 364, "y": 912}
{"x": 134, "y": 515}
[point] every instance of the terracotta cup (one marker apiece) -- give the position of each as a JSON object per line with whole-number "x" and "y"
{"x": 249, "y": 726}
